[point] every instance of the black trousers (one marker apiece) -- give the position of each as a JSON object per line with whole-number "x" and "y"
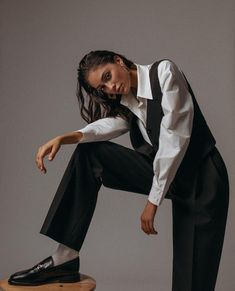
{"x": 199, "y": 206}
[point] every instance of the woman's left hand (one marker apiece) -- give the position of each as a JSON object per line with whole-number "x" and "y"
{"x": 147, "y": 218}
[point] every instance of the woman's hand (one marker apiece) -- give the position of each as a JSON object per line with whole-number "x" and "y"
{"x": 147, "y": 218}
{"x": 51, "y": 148}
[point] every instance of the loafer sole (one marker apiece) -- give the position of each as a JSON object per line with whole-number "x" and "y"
{"x": 65, "y": 279}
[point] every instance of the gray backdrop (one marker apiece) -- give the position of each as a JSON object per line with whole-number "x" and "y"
{"x": 41, "y": 45}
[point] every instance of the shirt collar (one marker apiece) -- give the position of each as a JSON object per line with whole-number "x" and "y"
{"x": 143, "y": 87}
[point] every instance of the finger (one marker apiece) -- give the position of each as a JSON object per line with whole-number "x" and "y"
{"x": 39, "y": 160}
{"x": 151, "y": 227}
{"x": 147, "y": 225}
{"x": 38, "y": 157}
{"x": 144, "y": 226}
{"x": 52, "y": 154}
{"x": 44, "y": 171}
{"x": 41, "y": 163}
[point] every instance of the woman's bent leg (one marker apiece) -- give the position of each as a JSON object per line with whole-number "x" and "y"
{"x": 91, "y": 165}
{"x": 70, "y": 213}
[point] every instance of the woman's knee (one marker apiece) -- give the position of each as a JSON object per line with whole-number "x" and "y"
{"x": 94, "y": 147}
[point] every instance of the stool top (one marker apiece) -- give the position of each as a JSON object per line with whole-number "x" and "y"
{"x": 87, "y": 283}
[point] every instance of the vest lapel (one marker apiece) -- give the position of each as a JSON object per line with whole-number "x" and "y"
{"x": 154, "y": 117}
{"x": 137, "y": 140}
{"x": 154, "y": 108}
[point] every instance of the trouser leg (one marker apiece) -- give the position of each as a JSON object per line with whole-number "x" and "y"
{"x": 91, "y": 165}
{"x": 199, "y": 223}
{"x": 70, "y": 212}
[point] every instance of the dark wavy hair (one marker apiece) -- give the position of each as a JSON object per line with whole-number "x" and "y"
{"x": 99, "y": 104}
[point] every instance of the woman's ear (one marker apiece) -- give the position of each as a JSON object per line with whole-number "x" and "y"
{"x": 118, "y": 60}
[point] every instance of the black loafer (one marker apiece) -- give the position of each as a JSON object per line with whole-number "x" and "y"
{"x": 45, "y": 272}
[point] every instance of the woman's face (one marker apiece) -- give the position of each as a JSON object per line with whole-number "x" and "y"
{"x": 111, "y": 78}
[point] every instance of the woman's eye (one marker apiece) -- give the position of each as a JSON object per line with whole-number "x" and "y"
{"x": 107, "y": 76}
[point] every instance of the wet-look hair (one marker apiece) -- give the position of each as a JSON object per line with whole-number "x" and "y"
{"x": 95, "y": 104}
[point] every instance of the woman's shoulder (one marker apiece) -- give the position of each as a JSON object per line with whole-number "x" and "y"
{"x": 165, "y": 65}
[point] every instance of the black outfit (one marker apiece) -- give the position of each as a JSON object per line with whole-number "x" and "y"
{"x": 199, "y": 193}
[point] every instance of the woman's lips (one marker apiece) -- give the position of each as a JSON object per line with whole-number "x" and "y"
{"x": 120, "y": 88}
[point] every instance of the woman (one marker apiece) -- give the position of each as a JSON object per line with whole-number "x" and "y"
{"x": 174, "y": 157}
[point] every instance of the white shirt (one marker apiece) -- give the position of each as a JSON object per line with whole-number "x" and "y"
{"x": 175, "y": 128}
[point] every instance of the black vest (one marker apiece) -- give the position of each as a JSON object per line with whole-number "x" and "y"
{"x": 201, "y": 140}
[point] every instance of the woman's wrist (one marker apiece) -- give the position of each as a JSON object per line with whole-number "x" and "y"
{"x": 151, "y": 205}
{"x": 70, "y": 138}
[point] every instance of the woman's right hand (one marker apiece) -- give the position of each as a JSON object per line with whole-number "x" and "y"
{"x": 51, "y": 148}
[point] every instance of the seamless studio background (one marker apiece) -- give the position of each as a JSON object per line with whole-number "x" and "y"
{"x": 41, "y": 45}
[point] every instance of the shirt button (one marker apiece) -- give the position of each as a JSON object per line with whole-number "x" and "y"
{"x": 149, "y": 130}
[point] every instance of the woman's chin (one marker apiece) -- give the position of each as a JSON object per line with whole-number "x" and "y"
{"x": 125, "y": 90}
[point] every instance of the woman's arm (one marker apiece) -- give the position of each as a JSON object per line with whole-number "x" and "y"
{"x": 70, "y": 138}
{"x": 175, "y": 129}
{"x": 52, "y": 147}
{"x": 99, "y": 130}
{"x": 175, "y": 132}
{"x": 103, "y": 129}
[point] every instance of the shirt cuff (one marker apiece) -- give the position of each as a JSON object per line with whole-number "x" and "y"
{"x": 87, "y": 135}
{"x": 156, "y": 195}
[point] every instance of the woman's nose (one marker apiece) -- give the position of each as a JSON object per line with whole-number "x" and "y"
{"x": 111, "y": 87}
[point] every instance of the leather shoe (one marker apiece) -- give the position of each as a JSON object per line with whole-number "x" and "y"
{"x": 45, "y": 272}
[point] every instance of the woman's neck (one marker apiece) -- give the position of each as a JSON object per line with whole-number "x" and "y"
{"x": 134, "y": 91}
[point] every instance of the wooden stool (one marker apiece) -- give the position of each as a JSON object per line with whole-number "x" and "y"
{"x": 86, "y": 284}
